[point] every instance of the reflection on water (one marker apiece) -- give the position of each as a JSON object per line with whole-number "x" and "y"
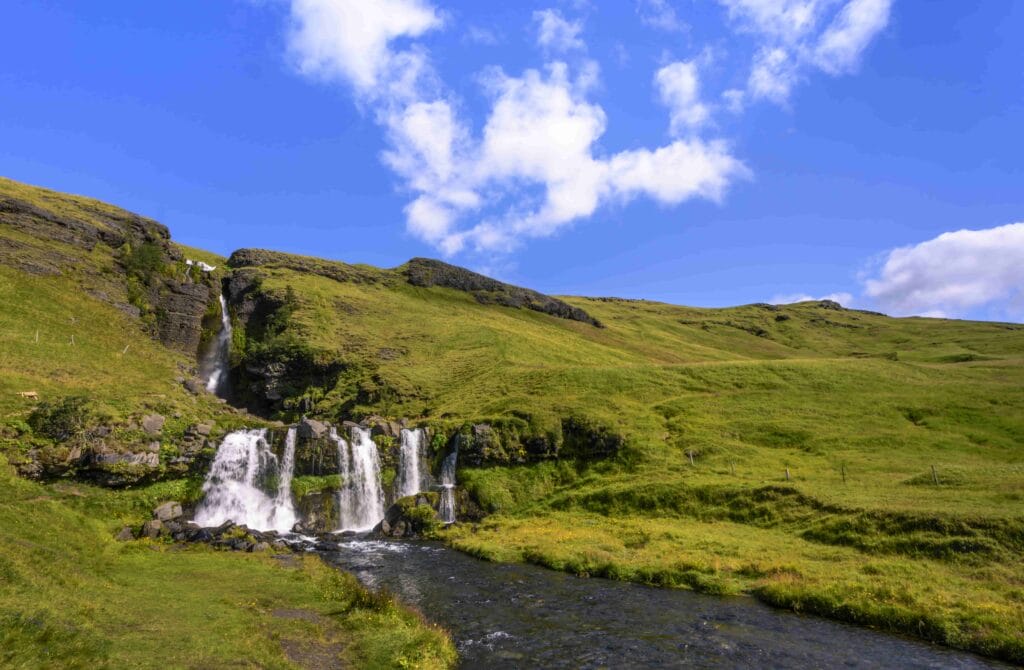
{"x": 521, "y": 616}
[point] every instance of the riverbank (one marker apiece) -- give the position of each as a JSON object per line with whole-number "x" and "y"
{"x": 73, "y": 597}
{"x": 975, "y": 605}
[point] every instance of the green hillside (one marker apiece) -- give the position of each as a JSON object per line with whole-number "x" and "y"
{"x": 827, "y": 460}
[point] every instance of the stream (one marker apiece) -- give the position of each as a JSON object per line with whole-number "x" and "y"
{"x": 523, "y": 616}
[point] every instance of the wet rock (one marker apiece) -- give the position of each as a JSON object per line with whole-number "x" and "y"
{"x": 153, "y": 424}
{"x": 168, "y": 511}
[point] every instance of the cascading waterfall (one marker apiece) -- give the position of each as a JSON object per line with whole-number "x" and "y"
{"x": 412, "y": 473}
{"x": 361, "y": 499}
{"x": 284, "y": 506}
{"x": 235, "y": 487}
{"x": 219, "y": 361}
{"x": 447, "y": 506}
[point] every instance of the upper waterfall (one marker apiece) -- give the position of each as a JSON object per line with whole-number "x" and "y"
{"x": 218, "y": 361}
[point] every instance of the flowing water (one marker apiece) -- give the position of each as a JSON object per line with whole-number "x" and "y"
{"x": 413, "y": 475}
{"x": 236, "y": 488}
{"x": 218, "y": 360}
{"x": 361, "y": 498}
{"x": 522, "y": 616}
{"x": 447, "y": 506}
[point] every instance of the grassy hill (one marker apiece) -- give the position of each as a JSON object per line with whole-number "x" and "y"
{"x": 781, "y": 451}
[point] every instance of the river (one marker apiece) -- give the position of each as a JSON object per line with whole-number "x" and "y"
{"x": 523, "y": 616}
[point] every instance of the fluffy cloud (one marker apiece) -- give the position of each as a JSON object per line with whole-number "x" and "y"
{"x": 350, "y": 40}
{"x": 679, "y": 88}
{"x": 556, "y": 33}
{"x": 796, "y": 35}
{"x": 536, "y": 166}
{"x": 955, "y": 273}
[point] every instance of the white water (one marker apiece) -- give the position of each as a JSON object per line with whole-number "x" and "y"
{"x": 233, "y": 490}
{"x": 412, "y": 474}
{"x": 447, "y": 506}
{"x": 284, "y": 505}
{"x": 361, "y": 499}
{"x": 219, "y": 363}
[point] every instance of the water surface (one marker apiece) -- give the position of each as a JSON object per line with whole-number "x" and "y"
{"x": 522, "y": 616}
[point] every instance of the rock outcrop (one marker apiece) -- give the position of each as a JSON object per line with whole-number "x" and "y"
{"x": 487, "y": 291}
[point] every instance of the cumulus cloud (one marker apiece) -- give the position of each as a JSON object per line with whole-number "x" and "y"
{"x": 679, "y": 87}
{"x": 794, "y": 36}
{"x": 954, "y": 273}
{"x": 536, "y": 166}
{"x": 556, "y": 33}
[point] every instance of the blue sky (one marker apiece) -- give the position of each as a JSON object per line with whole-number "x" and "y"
{"x": 698, "y": 152}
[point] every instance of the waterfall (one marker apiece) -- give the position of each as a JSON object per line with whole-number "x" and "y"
{"x": 218, "y": 363}
{"x": 447, "y": 506}
{"x": 361, "y": 499}
{"x": 235, "y": 488}
{"x": 284, "y": 507}
{"x": 412, "y": 472}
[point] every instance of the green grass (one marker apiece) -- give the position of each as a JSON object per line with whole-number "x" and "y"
{"x": 813, "y": 431}
{"x": 72, "y": 597}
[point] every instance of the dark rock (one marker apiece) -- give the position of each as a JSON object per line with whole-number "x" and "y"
{"x": 194, "y": 386}
{"x": 152, "y": 528}
{"x": 428, "y": 272}
{"x": 182, "y": 306}
{"x": 125, "y": 534}
{"x": 260, "y": 547}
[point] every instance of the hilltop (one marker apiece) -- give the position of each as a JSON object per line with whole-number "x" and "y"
{"x": 825, "y": 459}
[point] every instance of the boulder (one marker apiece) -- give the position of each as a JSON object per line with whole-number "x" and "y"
{"x": 153, "y": 424}
{"x": 194, "y": 386}
{"x": 125, "y": 535}
{"x": 168, "y": 511}
{"x": 152, "y": 529}
{"x": 203, "y": 429}
{"x": 310, "y": 429}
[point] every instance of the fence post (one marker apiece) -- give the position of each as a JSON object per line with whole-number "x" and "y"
{"x": 689, "y": 453}
{"x": 935, "y": 476}
{"x": 787, "y": 474}
{"x": 843, "y": 470}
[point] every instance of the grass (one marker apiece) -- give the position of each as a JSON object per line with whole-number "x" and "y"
{"x": 785, "y": 452}
{"x": 72, "y": 597}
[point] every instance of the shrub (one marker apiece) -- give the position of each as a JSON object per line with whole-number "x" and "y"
{"x": 62, "y": 419}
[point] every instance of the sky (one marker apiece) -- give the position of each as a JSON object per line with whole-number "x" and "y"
{"x": 698, "y": 152}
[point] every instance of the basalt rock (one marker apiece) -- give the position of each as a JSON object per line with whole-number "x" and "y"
{"x": 429, "y": 272}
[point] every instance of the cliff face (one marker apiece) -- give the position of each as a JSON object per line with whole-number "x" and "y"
{"x": 118, "y": 257}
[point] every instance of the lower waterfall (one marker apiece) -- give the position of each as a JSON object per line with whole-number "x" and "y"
{"x": 412, "y": 473}
{"x": 361, "y": 499}
{"x": 236, "y": 488}
{"x": 447, "y": 505}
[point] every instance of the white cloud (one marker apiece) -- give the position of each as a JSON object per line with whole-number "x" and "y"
{"x": 735, "y": 100}
{"x": 793, "y": 36}
{"x": 787, "y": 20}
{"x": 844, "y": 299}
{"x": 536, "y": 166}
{"x": 557, "y": 34}
{"x": 954, "y": 273}
{"x": 772, "y": 76}
{"x": 840, "y": 46}
{"x": 481, "y": 35}
{"x": 349, "y": 40}
{"x": 661, "y": 15}
{"x": 679, "y": 88}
